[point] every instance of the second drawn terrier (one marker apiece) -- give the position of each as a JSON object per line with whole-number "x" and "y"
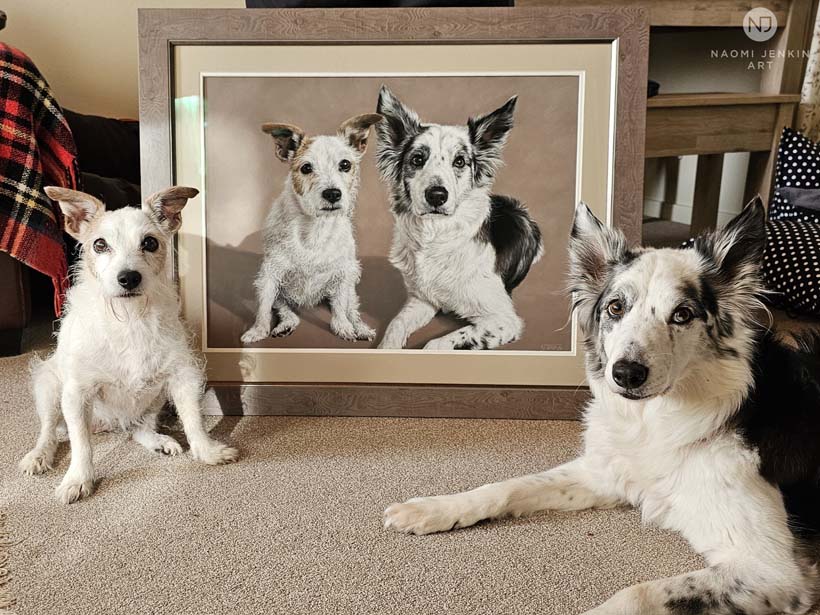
{"x": 122, "y": 350}
{"x": 310, "y": 249}
{"x": 459, "y": 248}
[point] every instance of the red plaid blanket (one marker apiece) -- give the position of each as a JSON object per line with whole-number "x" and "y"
{"x": 36, "y": 150}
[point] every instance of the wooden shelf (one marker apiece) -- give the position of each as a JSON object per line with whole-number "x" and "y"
{"x": 716, "y": 123}
{"x": 719, "y": 99}
{"x": 702, "y": 13}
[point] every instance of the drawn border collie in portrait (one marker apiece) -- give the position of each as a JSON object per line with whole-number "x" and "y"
{"x": 700, "y": 416}
{"x": 459, "y": 248}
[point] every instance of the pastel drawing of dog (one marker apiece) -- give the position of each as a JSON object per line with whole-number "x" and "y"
{"x": 459, "y": 248}
{"x": 310, "y": 248}
{"x": 701, "y": 417}
{"x": 122, "y": 350}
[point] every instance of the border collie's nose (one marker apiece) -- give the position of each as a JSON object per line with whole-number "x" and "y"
{"x": 332, "y": 195}
{"x": 436, "y": 196}
{"x": 129, "y": 280}
{"x": 629, "y": 374}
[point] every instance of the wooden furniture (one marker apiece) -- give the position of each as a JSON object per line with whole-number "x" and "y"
{"x": 710, "y": 125}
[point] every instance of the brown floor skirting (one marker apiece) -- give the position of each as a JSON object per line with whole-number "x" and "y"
{"x": 395, "y": 401}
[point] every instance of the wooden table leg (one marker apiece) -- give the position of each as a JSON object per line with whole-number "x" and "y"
{"x": 707, "y": 193}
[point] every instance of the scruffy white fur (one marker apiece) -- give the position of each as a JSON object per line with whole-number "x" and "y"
{"x": 671, "y": 452}
{"x": 121, "y": 352}
{"x": 310, "y": 248}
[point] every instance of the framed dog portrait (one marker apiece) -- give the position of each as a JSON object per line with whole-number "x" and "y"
{"x": 386, "y": 198}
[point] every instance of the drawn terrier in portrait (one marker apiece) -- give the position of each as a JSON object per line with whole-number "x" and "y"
{"x": 310, "y": 249}
{"x": 459, "y": 248}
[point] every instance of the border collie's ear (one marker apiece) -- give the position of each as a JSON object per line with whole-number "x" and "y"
{"x": 488, "y": 134}
{"x": 356, "y": 129}
{"x": 399, "y": 124}
{"x": 286, "y": 138}
{"x": 593, "y": 250}
{"x": 79, "y": 209}
{"x": 165, "y": 206}
{"x": 737, "y": 249}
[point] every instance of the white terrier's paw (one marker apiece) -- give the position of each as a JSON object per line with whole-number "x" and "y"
{"x": 72, "y": 489}
{"x": 440, "y": 343}
{"x": 363, "y": 332}
{"x": 166, "y": 445}
{"x": 422, "y": 516}
{"x": 344, "y": 330}
{"x": 283, "y": 329}
{"x": 214, "y": 453}
{"x": 35, "y": 462}
{"x": 254, "y": 334}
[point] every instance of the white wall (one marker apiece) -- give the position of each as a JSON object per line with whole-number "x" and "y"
{"x": 87, "y": 49}
{"x": 682, "y": 62}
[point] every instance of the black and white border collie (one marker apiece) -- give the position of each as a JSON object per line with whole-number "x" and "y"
{"x": 700, "y": 417}
{"x": 459, "y": 248}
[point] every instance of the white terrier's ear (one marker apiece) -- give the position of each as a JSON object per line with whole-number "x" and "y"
{"x": 286, "y": 138}
{"x": 165, "y": 206}
{"x": 593, "y": 250}
{"x": 356, "y": 129}
{"x": 79, "y": 209}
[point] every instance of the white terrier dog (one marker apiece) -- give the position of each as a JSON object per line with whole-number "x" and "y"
{"x": 122, "y": 350}
{"x": 310, "y": 250}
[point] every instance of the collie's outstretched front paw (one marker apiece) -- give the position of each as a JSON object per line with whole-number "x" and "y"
{"x": 72, "y": 489}
{"x": 440, "y": 343}
{"x": 390, "y": 344}
{"x": 214, "y": 453}
{"x": 423, "y": 516}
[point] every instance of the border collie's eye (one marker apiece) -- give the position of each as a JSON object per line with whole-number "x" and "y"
{"x": 615, "y": 308}
{"x": 150, "y": 244}
{"x": 344, "y": 166}
{"x": 682, "y": 315}
{"x": 417, "y": 160}
{"x": 306, "y": 169}
{"x": 459, "y": 162}
{"x": 100, "y": 246}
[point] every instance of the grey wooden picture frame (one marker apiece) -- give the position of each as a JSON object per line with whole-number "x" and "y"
{"x": 161, "y": 30}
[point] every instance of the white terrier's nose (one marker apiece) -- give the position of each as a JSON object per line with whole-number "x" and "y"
{"x": 332, "y": 195}
{"x": 129, "y": 280}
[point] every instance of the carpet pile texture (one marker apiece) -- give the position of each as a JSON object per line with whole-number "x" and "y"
{"x": 295, "y": 527}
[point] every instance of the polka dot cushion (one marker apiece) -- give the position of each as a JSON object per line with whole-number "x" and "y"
{"x": 797, "y": 179}
{"x": 791, "y": 266}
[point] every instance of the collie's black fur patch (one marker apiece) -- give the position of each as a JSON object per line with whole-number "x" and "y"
{"x": 515, "y": 237}
{"x": 781, "y": 420}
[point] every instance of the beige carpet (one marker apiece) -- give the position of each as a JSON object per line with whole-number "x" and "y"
{"x": 294, "y": 527}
